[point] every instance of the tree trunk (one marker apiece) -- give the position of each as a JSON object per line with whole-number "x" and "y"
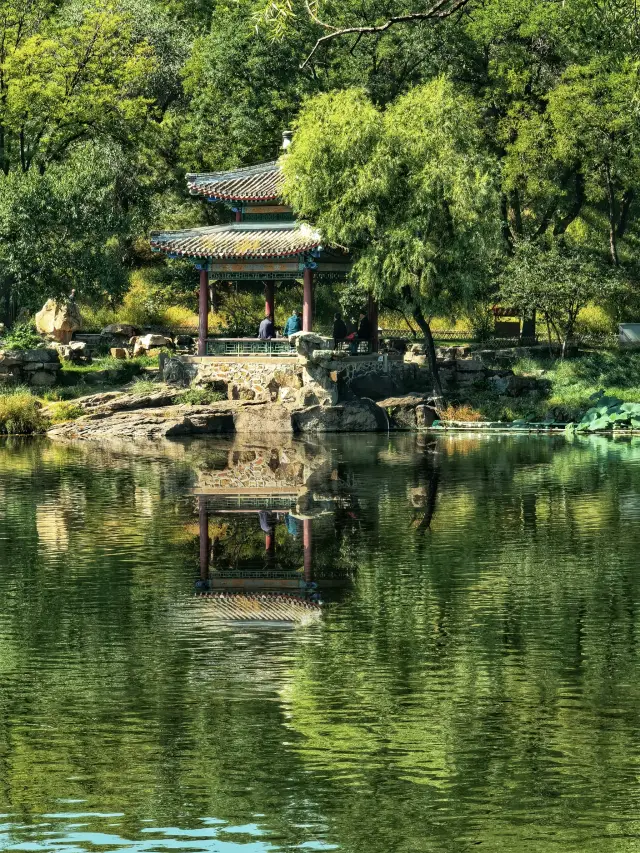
{"x": 613, "y": 247}
{"x": 425, "y": 328}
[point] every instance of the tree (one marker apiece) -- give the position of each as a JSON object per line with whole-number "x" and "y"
{"x": 62, "y": 81}
{"x": 64, "y": 229}
{"x": 558, "y": 281}
{"x": 407, "y": 190}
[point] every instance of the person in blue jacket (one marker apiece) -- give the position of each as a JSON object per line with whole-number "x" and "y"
{"x": 293, "y": 324}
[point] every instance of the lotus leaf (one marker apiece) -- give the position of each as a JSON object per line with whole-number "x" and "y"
{"x": 635, "y": 423}
{"x": 599, "y": 423}
{"x": 631, "y": 408}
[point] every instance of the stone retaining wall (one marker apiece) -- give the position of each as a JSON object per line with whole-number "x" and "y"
{"x": 36, "y": 367}
{"x": 291, "y": 380}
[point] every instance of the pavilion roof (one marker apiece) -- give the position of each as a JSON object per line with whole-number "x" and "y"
{"x": 263, "y": 607}
{"x": 252, "y": 183}
{"x": 244, "y": 240}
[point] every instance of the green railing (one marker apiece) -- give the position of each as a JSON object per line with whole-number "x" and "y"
{"x": 249, "y": 346}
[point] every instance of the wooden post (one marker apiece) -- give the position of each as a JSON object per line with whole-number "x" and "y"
{"x": 203, "y": 309}
{"x": 270, "y": 299}
{"x": 307, "y": 544}
{"x": 307, "y": 301}
{"x": 204, "y": 539}
{"x": 373, "y": 320}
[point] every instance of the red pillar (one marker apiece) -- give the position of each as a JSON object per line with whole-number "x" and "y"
{"x": 307, "y": 301}
{"x": 204, "y": 540}
{"x": 270, "y": 298}
{"x": 373, "y": 319}
{"x": 203, "y": 310}
{"x": 238, "y": 216}
{"x": 307, "y": 544}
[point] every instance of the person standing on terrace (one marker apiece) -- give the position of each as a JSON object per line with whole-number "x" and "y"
{"x": 293, "y": 324}
{"x": 267, "y": 330}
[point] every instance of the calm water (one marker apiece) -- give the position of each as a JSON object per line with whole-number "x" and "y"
{"x": 471, "y": 679}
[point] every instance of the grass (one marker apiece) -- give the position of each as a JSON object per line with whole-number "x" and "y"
{"x": 201, "y": 397}
{"x": 64, "y": 410}
{"x": 20, "y": 413}
{"x": 142, "y": 386}
{"x": 571, "y": 383}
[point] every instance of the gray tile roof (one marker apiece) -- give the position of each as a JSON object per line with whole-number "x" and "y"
{"x": 239, "y": 240}
{"x": 253, "y": 183}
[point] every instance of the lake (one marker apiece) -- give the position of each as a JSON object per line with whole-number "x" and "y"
{"x": 357, "y": 643}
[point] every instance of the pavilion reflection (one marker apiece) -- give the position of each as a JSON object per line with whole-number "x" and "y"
{"x": 268, "y": 553}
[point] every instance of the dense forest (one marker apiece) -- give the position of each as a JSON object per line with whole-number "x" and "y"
{"x": 462, "y": 150}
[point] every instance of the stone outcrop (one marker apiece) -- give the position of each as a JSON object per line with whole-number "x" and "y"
{"x": 36, "y": 367}
{"x": 58, "y": 320}
{"x": 351, "y": 416}
{"x": 409, "y": 412}
{"x": 76, "y": 352}
{"x": 147, "y": 343}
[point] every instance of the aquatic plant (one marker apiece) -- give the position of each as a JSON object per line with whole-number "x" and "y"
{"x": 607, "y": 413}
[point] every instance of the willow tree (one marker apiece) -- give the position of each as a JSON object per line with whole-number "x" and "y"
{"x": 407, "y": 190}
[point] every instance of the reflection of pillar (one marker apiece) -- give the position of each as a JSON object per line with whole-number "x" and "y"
{"x": 203, "y": 309}
{"x": 270, "y": 542}
{"x": 307, "y": 301}
{"x": 307, "y": 543}
{"x": 204, "y": 540}
{"x": 269, "y": 299}
{"x": 373, "y": 319}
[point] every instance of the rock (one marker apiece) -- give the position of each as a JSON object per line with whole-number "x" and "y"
{"x": 150, "y": 341}
{"x": 263, "y": 418}
{"x": 184, "y": 342}
{"x": 42, "y": 379}
{"x": 403, "y": 411}
{"x": 58, "y": 320}
{"x": 469, "y": 365}
{"x": 377, "y": 386}
{"x": 307, "y": 342}
{"x": 118, "y": 352}
{"x": 353, "y": 416}
{"x": 11, "y": 358}
{"x": 499, "y": 384}
{"x": 45, "y": 355}
{"x": 124, "y": 330}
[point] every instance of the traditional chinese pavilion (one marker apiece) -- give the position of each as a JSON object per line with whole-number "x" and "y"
{"x": 265, "y": 243}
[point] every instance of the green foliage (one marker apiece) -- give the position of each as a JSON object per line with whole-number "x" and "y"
{"x": 22, "y": 336}
{"x": 20, "y": 413}
{"x": 201, "y": 397}
{"x": 559, "y": 282}
{"x": 607, "y": 413}
{"x": 64, "y": 410}
{"x": 408, "y": 190}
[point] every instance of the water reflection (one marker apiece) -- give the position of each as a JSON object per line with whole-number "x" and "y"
{"x": 469, "y": 675}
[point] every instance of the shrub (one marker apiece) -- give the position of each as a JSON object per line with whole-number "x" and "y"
{"x": 201, "y": 397}
{"x": 460, "y": 413}
{"x": 22, "y": 336}
{"x": 64, "y": 410}
{"x": 20, "y": 413}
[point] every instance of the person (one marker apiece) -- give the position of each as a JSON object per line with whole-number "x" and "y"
{"x": 364, "y": 328}
{"x": 339, "y": 330}
{"x": 293, "y": 324}
{"x": 267, "y": 330}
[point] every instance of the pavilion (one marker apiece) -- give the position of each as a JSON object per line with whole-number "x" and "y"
{"x": 265, "y": 243}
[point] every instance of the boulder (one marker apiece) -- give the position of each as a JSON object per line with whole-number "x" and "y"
{"x": 123, "y": 330}
{"x": 469, "y": 365}
{"x": 307, "y": 342}
{"x": 58, "y": 320}
{"x": 40, "y": 355}
{"x": 42, "y": 379}
{"x": 402, "y": 412}
{"x": 263, "y": 418}
{"x": 143, "y": 345}
{"x": 118, "y": 352}
{"x": 352, "y": 416}
{"x": 184, "y": 342}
